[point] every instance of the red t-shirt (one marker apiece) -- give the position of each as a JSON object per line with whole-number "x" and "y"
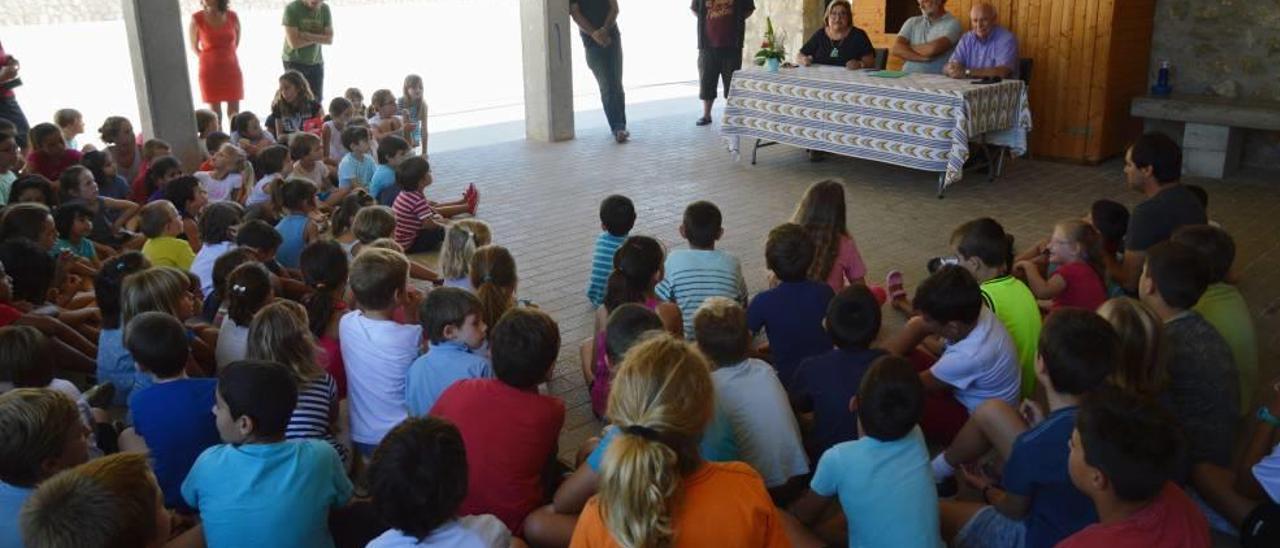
{"x": 1170, "y": 521}
{"x": 52, "y": 167}
{"x": 722, "y": 30}
{"x": 510, "y": 434}
{"x": 1084, "y": 287}
{"x": 8, "y": 314}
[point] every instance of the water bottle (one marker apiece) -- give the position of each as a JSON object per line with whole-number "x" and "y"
{"x": 1162, "y": 86}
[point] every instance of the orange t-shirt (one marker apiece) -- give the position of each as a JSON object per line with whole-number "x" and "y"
{"x": 724, "y": 504}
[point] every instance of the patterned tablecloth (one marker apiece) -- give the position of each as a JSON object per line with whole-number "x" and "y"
{"x": 921, "y": 121}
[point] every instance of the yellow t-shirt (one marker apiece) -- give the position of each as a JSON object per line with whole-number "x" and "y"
{"x": 1016, "y": 307}
{"x": 169, "y": 251}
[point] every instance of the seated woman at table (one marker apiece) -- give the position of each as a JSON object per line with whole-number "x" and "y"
{"x": 839, "y": 43}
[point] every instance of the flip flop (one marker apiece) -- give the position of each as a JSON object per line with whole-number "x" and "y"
{"x": 893, "y": 282}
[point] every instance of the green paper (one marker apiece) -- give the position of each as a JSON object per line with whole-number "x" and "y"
{"x": 888, "y": 74}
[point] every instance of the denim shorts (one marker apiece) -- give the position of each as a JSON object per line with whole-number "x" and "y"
{"x": 990, "y": 528}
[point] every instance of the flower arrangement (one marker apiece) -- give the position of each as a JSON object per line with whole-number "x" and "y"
{"x": 772, "y": 47}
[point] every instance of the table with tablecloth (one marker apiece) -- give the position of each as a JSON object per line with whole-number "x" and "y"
{"x": 920, "y": 121}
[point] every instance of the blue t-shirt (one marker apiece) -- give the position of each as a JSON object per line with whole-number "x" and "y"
{"x": 117, "y": 188}
{"x": 115, "y": 365}
{"x": 351, "y": 168}
{"x": 602, "y": 265}
{"x": 292, "y": 229}
{"x": 11, "y": 499}
{"x": 433, "y": 372}
{"x": 885, "y": 488}
{"x": 384, "y": 176}
{"x": 1037, "y": 468}
{"x": 276, "y": 494}
{"x": 83, "y": 249}
{"x": 176, "y": 420}
{"x": 826, "y": 383}
{"x": 717, "y": 443}
{"x": 791, "y": 314}
{"x": 693, "y": 275}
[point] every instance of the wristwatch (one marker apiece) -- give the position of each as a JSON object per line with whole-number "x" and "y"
{"x": 1265, "y": 415}
{"x": 968, "y": 73}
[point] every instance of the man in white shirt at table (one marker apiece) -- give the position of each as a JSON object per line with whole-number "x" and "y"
{"x": 926, "y": 40}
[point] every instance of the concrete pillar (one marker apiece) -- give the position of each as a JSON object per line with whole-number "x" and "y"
{"x": 1210, "y": 150}
{"x": 548, "y": 70}
{"x": 159, "y": 55}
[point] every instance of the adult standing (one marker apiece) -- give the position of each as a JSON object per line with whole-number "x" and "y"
{"x": 1153, "y": 166}
{"x": 307, "y": 26}
{"x": 597, "y": 22}
{"x": 9, "y": 108}
{"x": 839, "y": 43}
{"x": 722, "y": 25}
{"x": 215, "y": 34}
{"x": 987, "y": 50}
{"x": 926, "y": 40}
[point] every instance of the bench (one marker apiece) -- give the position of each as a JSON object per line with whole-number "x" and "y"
{"x": 1212, "y": 139}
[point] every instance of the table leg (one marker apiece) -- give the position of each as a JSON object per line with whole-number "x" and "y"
{"x": 942, "y": 184}
{"x": 754, "y": 147}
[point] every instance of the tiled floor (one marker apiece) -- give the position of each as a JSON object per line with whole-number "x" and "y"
{"x": 542, "y": 202}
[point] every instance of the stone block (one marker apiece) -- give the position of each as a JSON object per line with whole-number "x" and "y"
{"x": 1210, "y": 150}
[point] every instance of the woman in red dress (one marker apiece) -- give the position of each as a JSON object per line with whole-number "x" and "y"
{"x": 215, "y": 34}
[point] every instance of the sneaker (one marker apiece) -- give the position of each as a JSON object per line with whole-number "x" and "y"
{"x": 472, "y": 202}
{"x": 703, "y": 121}
{"x": 621, "y": 136}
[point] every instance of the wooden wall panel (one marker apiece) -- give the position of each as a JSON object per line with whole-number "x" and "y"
{"x": 1090, "y": 59}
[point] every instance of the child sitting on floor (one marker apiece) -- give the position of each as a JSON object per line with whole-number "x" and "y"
{"x": 115, "y": 364}
{"x": 357, "y": 166}
{"x": 418, "y": 480}
{"x": 248, "y": 290}
{"x": 1075, "y": 254}
{"x": 378, "y": 351}
{"x": 247, "y": 133}
{"x": 276, "y": 166}
{"x": 324, "y": 269}
{"x": 49, "y": 154}
{"x": 256, "y": 485}
{"x": 231, "y": 175}
{"x": 455, "y": 256}
{"x": 882, "y": 479}
{"x": 392, "y": 150}
{"x": 510, "y": 430}
{"x": 294, "y": 107}
{"x": 836, "y": 260}
{"x": 161, "y": 225}
{"x": 74, "y": 222}
{"x": 617, "y": 217}
{"x": 420, "y": 222}
{"x": 71, "y": 123}
{"x": 217, "y": 227}
{"x": 340, "y": 223}
{"x": 171, "y": 416}
{"x": 451, "y": 321}
{"x": 187, "y": 194}
{"x": 692, "y": 275}
{"x": 44, "y": 434}
{"x": 296, "y": 228}
{"x": 169, "y": 290}
{"x": 791, "y": 313}
{"x": 109, "y": 214}
{"x": 493, "y": 274}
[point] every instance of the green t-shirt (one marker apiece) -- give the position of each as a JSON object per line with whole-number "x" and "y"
{"x": 1016, "y": 307}
{"x": 299, "y": 16}
{"x": 1223, "y": 306}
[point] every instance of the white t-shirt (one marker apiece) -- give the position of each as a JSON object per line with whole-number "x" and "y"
{"x": 982, "y": 366}
{"x": 317, "y": 174}
{"x": 1267, "y": 472}
{"x": 377, "y": 355}
{"x": 233, "y": 342}
{"x": 483, "y": 531}
{"x": 753, "y": 401}
{"x": 219, "y": 189}
{"x": 260, "y": 194}
{"x": 202, "y": 266}
{"x": 336, "y": 150}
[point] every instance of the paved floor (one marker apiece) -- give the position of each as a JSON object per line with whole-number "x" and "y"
{"x": 542, "y": 200}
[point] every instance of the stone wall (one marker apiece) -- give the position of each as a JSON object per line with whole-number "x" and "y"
{"x": 1223, "y": 47}
{"x": 797, "y": 18}
{"x": 45, "y": 12}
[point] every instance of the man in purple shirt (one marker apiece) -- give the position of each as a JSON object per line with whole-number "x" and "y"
{"x": 987, "y": 50}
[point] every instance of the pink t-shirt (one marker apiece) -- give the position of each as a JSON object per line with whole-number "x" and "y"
{"x": 1084, "y": 287}
{"x": 848, "y": 266}
{"x": 1170, "y": 521}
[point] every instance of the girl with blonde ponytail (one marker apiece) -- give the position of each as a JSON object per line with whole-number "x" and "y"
{"x": 655, "y": 491}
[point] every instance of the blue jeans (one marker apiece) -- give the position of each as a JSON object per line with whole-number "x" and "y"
{"x": 606, "y": 64}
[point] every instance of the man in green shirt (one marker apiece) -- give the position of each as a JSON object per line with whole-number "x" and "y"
{"x": 307, "y": 26}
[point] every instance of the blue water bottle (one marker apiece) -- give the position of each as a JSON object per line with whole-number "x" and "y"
{"x": 1162, "y": 86}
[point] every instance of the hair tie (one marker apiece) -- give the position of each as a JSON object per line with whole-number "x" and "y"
{"x": 238, "y": 289}
{"x": 642, "y": 431}
{"x": 486, "y": 279}
{"x": 320, "y": 285}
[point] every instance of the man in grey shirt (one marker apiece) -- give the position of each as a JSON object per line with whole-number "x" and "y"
{"x": 926, "y": 40}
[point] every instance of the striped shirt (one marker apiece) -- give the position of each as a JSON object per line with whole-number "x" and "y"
{"x": 602, "y": 265}
{"x": 410, "y": 209}
{"x": 693, "y": 275}
{"x": 311, "y": 416}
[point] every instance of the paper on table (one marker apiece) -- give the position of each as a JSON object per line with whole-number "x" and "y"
{"x": 888, "y": 74}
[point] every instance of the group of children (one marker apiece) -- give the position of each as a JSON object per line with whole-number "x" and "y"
{"x": 290, "y": 384}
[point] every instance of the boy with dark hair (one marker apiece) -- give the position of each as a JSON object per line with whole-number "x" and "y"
{"x": 43, "y": 434}
{"x": 376, "y": 349}
{"x": 510, "y": 430}
{"x": 1222, "y": 305}
{"x": 392, "y": 150}
{"x": 825, "y": 383}
{"x": 1035, "y": 505}
{"x": 1126, "y": 453}
{"x": 702, "y": 271}
{"x": 882, "y": 478}
{"x": 791, "y": 312}
{"x": 256, "y": 488}
{"x": 356, "y": 167}
{"x": 749, "y": 395}
{"x": 450, "y": 319}
{"x": 617, "y": 217}
{"x": 418, "y": 479}
{"x": 171, "y": 416}
{"x": 978, "y": 361}
{"x": 1203, "y": 386}
{"x": 74, "y": 221}
{"x": 1111, "y": 219}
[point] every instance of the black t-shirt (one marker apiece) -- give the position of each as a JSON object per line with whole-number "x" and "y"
{"x": 855, "y": 45}
{"x": 595, "y": 11}
{"x": 1154, "y": 220}
{"x": 825, "y": 383}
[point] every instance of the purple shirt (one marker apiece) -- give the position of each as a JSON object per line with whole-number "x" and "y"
{"x": 1000, "y": 49}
